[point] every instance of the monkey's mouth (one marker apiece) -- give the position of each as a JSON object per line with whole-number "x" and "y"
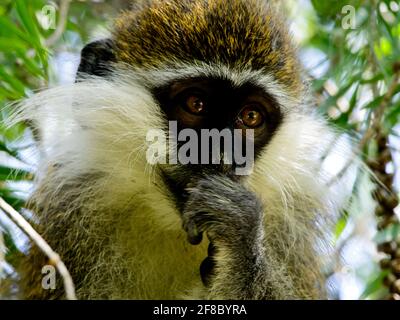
{"x": 181, "y": 177}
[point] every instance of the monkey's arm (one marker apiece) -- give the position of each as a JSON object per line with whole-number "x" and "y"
{"x": 232, "y": 218}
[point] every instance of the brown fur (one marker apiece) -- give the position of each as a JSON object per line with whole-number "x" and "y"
{"x": 237, "y": 33}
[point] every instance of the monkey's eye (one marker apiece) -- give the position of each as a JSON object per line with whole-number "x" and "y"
{"x": 195, "y": 104}
{"x": 250, "y": 117}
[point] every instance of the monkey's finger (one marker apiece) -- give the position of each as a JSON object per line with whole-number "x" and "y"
{"x": 194, "y": 236}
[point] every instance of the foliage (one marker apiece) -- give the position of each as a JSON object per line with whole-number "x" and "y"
{"x": 359, "y": 89}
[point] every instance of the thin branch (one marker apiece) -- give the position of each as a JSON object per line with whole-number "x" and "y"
{"x": 64, "y": 9}
{"x": 43, "y": 245}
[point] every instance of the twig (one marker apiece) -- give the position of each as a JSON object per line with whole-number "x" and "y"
{"x": 64, "y": 8}
{"x": 43, "y": 245}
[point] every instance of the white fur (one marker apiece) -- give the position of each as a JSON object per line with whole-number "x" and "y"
{"x": 163, "y": 75}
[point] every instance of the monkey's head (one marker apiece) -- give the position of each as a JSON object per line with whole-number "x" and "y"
{"x": 213, "y": 64}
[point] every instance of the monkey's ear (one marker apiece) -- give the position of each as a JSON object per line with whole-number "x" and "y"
{"x": 96, "y": 58}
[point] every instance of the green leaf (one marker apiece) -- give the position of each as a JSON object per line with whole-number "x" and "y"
{"x": 354, "y": 99}
{"x": 4, "y": 148}
{"x": 31, "y": 65}
{"x": 6, "y": 94}
{"x": 30, "y": 24}
{"x": 28, "y": 20}
{"x": 12, "y": 249}
{"x": 331, "y": 101}
{"x": 14, "y": 83}
{"x": 16, "y": 202}
{"x": 375, "y": 285}
{"x": 373, "y": 79}
{"x": 374, "y": 103}
{"x": 13, "y": 174}
{"x": 340, "y": 226}
{"x": 7, "y": 44}
{"x": 384, "y": 48}
{"x": 392, "y": 117}
{"x": 8, "y": 29}
{"x": 15, "y": 132}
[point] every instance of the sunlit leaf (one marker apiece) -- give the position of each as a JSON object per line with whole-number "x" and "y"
{"x": 7, "y": 173}
{"x": 375, "y": 285}
{"x": 14, "y": 83}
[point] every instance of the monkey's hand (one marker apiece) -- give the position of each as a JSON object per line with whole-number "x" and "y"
{"x": 231, "y": 216}
{"x": 223, "y": 209}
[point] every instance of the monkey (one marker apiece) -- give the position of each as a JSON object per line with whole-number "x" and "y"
{"x": 128, "y": 229}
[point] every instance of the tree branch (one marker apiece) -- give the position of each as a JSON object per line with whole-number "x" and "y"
{"x": 64, "y": 9}
{"x": 43, "y": 245}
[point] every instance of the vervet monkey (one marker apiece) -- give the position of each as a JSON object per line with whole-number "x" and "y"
{"x": 129, "y": 229}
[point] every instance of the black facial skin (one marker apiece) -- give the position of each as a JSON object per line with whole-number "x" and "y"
{"x": 223, "y": 104}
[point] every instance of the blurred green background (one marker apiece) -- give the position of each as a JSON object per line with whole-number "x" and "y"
{"x": 351, "y": 51}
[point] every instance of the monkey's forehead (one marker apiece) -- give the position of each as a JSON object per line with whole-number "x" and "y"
{"x": 240, "y": 34}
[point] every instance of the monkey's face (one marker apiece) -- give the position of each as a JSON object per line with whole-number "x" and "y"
{"x": 205, "y": 103}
